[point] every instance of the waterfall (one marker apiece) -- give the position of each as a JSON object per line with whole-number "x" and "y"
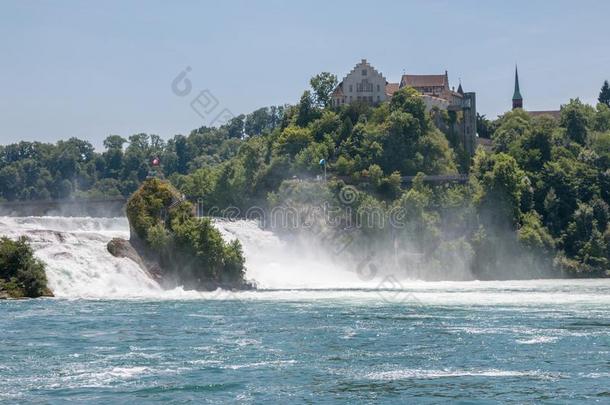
{"x": 78, "y": 264}
{"x": 77, "y": 261}
{"x": 275, "y": 264}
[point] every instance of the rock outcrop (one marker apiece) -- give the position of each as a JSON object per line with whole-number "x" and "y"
{"x": 174, "y": 246}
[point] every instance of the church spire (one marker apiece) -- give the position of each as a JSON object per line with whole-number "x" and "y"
{"x": 517, "y": 99}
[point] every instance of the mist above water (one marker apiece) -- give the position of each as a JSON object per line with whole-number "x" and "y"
{"x": 79, "y": 266}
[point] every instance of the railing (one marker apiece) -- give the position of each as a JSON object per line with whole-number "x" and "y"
{"x": 438, "y": 178}
{"x": 407, "y": 180}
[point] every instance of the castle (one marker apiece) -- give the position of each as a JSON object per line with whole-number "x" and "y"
{"x": 365, "y": 84}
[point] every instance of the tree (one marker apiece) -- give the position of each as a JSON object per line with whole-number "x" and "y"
{"x": 189, "y": 249}
{"x": 410, "y": 142}
{"x": 328, "y": 124}
{"x": 575, "y": 118}
{"x": 483, "y": 126}
{"x": 258, "y": 122}
{"x": 293, "y": 139}
{"x": 114, "y": 142}
{"x": 9, "y": 182}
{"x": 182, "y": 150}
{"x": 306, "y": 110}
{"x": 21, "y": 273}
{"x": 113, "y": 157}
{"x": 581, "y": 233}
{"x": 322, "y": 85}
{"x": 410, "y": 101}
{"x": 501, "y": 184}
{"x": 235, "y": 127}
{"x": 533, "y": 148}
{"x": 602, "y": 118}
{"x": 511, "y": 126}
{"x": 604, "y": 94}
{"x": 137, "y": 155}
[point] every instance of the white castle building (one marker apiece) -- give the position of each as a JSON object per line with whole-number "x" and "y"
{"x": 366, "y": 84}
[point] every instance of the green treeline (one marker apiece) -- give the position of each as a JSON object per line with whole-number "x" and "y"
{"x": 539, "y": 199}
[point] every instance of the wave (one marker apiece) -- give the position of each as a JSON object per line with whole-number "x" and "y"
{"x": 449, "y": 373}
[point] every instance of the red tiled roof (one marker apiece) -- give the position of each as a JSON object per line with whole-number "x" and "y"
{"x": 423, "y": 80}
{"x": 555, "y": 114}
{"x": 391, "y": 88}
{"x": 338, "y": 91}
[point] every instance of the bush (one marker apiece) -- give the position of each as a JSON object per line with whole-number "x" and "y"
{"x": 21, "y": 274}
{"x": 188, "y": 248}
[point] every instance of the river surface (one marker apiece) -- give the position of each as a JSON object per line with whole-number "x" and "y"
{"x": 529, "y": 341}
{"x": 312, "y": 334}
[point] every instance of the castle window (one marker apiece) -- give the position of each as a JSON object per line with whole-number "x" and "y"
{"x": 378, "y": 89}
{"x": 350, "y": 88}
{"x": 364, "y": 86}
{"x": 363, "y": 72}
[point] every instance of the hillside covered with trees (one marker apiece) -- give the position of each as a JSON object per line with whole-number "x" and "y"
{"x": 539, "y": 200}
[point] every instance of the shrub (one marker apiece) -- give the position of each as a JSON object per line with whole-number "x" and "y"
{"x": 21, "y": 274}
{"x": 190, "y": 249}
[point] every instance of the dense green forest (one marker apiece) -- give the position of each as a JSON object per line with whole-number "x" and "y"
{"x": 539, "y": 199}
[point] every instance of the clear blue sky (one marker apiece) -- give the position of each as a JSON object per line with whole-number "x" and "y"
{"x": 90, "y": 69}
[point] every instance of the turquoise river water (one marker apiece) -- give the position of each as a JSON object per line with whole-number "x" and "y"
{"x": 313, "y": 333}
{"x": 478, "y": 342}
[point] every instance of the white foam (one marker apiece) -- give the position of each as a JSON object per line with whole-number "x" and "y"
{"x": 450, "y": 373}
{"x": 79, "y": 266}
{"x": 537, "y": 340}
{"x": 78, "y": 263}
{"x": 274, "y": 264}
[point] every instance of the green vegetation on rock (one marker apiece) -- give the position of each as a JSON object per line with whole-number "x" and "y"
{"x": 21, "y": 274}
{"x": 190, "y": 251}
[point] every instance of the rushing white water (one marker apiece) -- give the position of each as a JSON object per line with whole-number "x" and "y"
{"x": 79, "y": 266}
{"x": 77, "y": 261}
{"x": 275, "y": 264}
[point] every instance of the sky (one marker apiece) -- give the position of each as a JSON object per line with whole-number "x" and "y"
{"x": 91, "y": 69}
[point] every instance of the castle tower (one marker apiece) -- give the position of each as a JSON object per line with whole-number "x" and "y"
{"x": 517, "y": 99}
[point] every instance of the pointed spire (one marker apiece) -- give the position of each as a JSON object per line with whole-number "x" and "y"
{"x": 460, "y": 90}
{"x": 517, "y": 99}
{"x": 517, "y": 93}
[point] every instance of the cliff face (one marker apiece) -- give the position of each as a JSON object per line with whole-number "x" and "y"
{"x": 175, "y": 247}
{"x": 119, "y": 247}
